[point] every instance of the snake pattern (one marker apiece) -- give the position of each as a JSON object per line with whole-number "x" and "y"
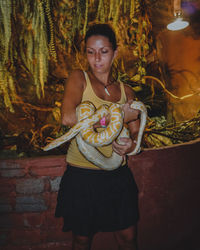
{"x": 88, "y": 139}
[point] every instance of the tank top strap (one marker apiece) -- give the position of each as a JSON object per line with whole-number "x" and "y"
{"x": 87, "y": 79}
{"x": 123, "y": 94}
{"x": 89, "y": 93}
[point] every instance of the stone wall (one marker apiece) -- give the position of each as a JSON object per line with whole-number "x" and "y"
{"x": 28, "y": 190}
{"x": 168, "y": 181}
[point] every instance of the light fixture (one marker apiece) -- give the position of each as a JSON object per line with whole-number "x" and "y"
{"x": 178, "y": 23}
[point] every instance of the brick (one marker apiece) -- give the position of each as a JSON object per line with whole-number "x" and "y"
{"x": 48, "y": 161}
{"x": 47, "y": 187}
{"x": 26, "y": 237}
{"x": 55, "y": 184}
{"x": 6, "y": 221}
{"x": 44, "y": 246}
{"x": 30, "y": 204}
{"x": 11, "y": 220}
{"x": 7, "y": 186}
{"x": 58, "y": 236}
{"x": 52, "y": 246}
{"x": 30, "y": 186}
{"x": 48, "y": 166}
{"x": 19, "y": 221}
{"x": 5, "y": 205}
{"x": 4, "y": 208}
{"x": 53, "y": 200}
{"x": 4, "y": 235}
{"x": 11, "y": 247}
{"x": 51, "y": 222}
{"x": 33, "y": 220}
{"x": 47, "y": 198}
{"x": 47, "y": 171}
{"x": 11, "y": 169}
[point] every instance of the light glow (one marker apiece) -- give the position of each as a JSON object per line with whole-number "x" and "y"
{"x": 178, "y": 24}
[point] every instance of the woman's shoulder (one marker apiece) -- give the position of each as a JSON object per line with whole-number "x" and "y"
{"x": 129, "y": 91}
{"x": 77, "y": 76}
{"x": 77, "y": 73}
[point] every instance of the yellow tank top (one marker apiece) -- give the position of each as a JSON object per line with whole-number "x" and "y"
{"x": 74, "y": 156}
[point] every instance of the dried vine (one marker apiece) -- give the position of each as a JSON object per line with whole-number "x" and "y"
{"x": 45, "y": 24}
{"x": 159, "y": 133}
{"x": 7, "y": 87}
{"x": 34, "y": 33}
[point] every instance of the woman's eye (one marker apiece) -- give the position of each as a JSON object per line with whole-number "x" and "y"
{"x": 104, "y": 51}
{"x": 89, "y": 51}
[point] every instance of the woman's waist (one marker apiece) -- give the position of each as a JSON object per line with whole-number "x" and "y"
{"x": 73, "y": 165}
{"x": 88, "y": 170}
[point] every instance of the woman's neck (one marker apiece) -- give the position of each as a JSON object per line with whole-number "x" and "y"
{"x": 104, "y": 79}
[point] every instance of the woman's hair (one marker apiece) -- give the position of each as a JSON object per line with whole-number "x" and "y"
{"x": 102, "y": 30}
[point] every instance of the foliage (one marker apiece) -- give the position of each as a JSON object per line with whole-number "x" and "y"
{"x": 7, "y": 87}
{"x": 158, "y": 133}
{"x": 32, "y": 32}
{"x": 38, "y": 37}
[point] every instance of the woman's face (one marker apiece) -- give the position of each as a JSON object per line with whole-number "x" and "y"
{"x": 100, "y": 53}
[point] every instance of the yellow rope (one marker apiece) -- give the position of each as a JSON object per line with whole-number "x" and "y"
{"x": 86, "y": 17}
{"x": 111, "y": 9}
{"x": 132, "y": 9}
{"x": 168, "y": 92}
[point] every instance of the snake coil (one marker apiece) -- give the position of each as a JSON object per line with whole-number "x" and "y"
{"x": 88, "y": 139}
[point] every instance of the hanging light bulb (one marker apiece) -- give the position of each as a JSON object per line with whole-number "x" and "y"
{"x": 178, "y": 23}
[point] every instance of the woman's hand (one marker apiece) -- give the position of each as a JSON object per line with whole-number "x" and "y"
{"x": 130, "y": 114}
{"x": 127, "y": 145}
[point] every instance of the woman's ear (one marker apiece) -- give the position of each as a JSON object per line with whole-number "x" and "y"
{"x": 115, "y": 54}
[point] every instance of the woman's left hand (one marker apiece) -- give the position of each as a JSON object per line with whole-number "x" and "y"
{"x": 130, "y": 114}
{"x": 126, "y": 147}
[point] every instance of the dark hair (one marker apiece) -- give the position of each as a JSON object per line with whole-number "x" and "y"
{"x": 102, "y": 30}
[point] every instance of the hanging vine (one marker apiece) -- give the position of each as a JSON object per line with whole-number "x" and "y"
{"x": 51, "y": 30}
{"x": 30, "y": 44}
{"x": 47, "y": 24}
{"x": 7, "y": 87}
{"x": 34, "y": 35}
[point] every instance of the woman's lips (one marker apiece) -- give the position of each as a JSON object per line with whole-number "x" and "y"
{"x": 98, "y": 66}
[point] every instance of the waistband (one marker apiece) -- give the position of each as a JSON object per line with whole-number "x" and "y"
{"x": 93, "y": 171}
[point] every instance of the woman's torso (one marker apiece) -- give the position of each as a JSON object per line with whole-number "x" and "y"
{"x": 74, "y": 156}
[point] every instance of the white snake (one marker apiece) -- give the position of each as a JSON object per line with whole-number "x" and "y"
{"x": 88, "y": 139}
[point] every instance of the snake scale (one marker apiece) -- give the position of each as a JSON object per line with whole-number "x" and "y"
{"x": 88, "y": 139}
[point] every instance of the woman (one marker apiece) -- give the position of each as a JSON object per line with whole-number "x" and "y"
{"x": 90, "y": 199}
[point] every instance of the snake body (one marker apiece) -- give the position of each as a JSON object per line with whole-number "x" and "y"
{"x": 88, "y": 139}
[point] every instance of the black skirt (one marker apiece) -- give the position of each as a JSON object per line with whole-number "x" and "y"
{"x": 91, "y": 201}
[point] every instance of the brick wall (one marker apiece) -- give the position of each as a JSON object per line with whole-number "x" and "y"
{"x": 28, "y": 191}
{"x": 168, "y": 182}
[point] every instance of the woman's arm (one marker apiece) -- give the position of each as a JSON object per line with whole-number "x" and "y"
{"x": 73, "y": 92}
{"x": 131, "y": 118}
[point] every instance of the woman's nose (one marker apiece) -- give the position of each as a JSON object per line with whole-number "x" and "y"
{"x": 97, "y": 56}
